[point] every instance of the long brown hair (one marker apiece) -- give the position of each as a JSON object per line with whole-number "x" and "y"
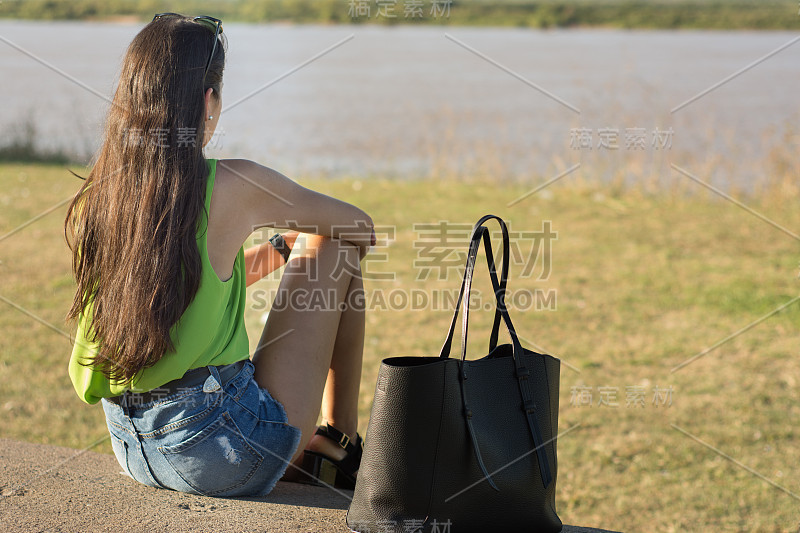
{"x": 134, "y": 221}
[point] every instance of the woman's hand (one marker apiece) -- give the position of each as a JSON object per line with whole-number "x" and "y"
{"x": 263, "y": 259}
{"x": 363, "y": 235}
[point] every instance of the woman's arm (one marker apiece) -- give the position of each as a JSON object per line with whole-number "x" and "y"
{"x": 263, "y": 259}
{"x": 267, "y": 198}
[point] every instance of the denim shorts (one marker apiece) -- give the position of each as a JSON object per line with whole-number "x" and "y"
{"x": 233, "y": 440}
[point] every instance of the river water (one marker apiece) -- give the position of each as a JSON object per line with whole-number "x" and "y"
{"x": 420, "y": 101}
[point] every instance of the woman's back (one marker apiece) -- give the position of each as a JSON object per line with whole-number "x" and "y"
{"x": 211, "y": 331}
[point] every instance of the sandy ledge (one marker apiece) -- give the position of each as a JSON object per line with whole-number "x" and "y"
{"x": 53, "y": 489}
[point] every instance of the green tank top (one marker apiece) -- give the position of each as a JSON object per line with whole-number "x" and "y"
{"x": 210, "y": 332}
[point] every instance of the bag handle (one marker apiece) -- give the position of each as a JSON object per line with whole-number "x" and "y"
{"x": 500, "y": 306}
{"x": 477, "y": 231}
{"x": 503, "y": 285}
{"x": 522, "y": 373}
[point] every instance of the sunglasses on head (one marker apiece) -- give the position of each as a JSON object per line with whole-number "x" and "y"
{"x": 214, "y": 25}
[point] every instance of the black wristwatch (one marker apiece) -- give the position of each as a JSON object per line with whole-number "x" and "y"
{"x": 279, "y": 243}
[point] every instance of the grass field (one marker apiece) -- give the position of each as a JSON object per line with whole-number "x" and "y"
{"x": 643, "y": 283}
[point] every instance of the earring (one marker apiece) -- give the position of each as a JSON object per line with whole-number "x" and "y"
{"x": 210, "y": 117}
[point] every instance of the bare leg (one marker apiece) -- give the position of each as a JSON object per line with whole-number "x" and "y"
{"x": 340, "y": 399}
{"x": 308, "y": 354}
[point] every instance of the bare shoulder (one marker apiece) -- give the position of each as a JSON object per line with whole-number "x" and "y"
{"x": 242, "y": 178}
{"x": 247, "y": 174}
{"x": 232, "y": 196}
{"x": 227, "y": 186}
{"x": 260, "y": 194}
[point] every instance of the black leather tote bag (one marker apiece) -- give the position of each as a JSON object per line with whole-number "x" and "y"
{"x": 457, "y": 445}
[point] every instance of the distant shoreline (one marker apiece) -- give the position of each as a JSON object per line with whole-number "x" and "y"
{"x": 636, "y": 14}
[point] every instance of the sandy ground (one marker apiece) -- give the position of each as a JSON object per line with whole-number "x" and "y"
{"x": 51, "y": 489}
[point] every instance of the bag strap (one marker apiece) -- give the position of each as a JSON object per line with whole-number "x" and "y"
{"x": 479, "y": 231}
{"x": 503, "y": 284}
{"x": 528, "y": 403}
{"x": 500, "y": 306}
{"x": 523, "y": 374}
{"x": 445, "y": 351}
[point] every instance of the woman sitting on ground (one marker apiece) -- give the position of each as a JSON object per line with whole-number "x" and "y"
{"x": 157, "y": 234}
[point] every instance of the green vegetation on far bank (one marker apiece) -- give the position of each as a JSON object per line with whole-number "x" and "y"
{"x": 668, "y": 14}
{"x": 20, "y": 147}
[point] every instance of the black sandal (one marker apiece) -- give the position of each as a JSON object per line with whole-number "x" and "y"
{"x": 319, "y": 469}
